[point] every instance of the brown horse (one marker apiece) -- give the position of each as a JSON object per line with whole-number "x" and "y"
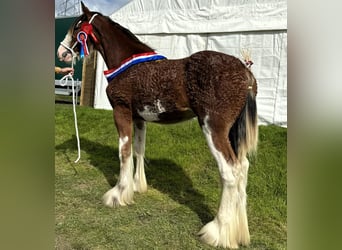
{"x": 143, "y": 86}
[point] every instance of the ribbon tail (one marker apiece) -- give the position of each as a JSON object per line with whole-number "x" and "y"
{"x": 82, "y": 52}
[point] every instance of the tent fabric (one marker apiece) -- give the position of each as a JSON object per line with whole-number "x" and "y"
{"x": 178, "y": 28}
{"x": 202, "y": 16}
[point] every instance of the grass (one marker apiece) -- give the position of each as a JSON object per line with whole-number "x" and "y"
{"x": 184, "y": 187}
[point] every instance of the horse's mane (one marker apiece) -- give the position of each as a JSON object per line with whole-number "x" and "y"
{"x": 125, "y": 31}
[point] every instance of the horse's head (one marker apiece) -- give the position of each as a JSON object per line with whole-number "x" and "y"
{"x": 80, "y": 37}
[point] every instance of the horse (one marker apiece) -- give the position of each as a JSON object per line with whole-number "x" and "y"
{"x": 144, "y": 86}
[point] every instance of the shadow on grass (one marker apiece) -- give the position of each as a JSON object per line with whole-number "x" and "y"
{"x": 162, "y": 174}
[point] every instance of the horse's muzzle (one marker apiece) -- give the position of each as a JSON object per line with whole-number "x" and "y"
{"x": 64, "y": 54}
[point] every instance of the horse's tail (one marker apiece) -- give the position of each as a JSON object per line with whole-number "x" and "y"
{"x": 243, "y": 135}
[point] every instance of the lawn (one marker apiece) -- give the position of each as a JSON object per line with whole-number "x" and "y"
{"x": 183, "y": 187}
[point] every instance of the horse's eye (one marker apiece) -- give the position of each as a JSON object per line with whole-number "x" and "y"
{"x": 65, "y": 53}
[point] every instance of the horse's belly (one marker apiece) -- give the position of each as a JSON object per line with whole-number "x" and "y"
{"x": 176, "y": 116}
{"x": 159, "y": 114}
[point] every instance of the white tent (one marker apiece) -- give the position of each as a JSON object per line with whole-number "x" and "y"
{"x": 178, "y": 28}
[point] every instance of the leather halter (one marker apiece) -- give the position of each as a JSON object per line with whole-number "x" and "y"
{"x": 82, "y": 36}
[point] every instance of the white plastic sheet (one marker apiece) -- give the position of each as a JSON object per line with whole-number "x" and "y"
{"x": 178, "y": 28}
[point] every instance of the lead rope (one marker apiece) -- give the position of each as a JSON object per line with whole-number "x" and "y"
{"x": 63, "y": 82}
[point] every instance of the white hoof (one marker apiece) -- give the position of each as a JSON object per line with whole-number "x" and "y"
{"x": 244, "y": 237}
{"x": 140, "y": 186}
{"x": 218, "y": 235}
{"x": 209, "y": 234}
{"x": 118, "y": 196}
{"x": 140, "y": 189}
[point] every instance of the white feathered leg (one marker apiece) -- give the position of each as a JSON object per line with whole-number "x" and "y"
{"x": 140, "y": 184}
{"x": 122, "y": 193}
{"x": 244, "y": 237}
{"x": 224, "y": 229}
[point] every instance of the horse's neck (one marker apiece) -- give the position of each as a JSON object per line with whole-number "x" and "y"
{"x": 118, "y": 46}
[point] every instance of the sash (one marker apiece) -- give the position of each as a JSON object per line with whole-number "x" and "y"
{"x": 133, "y": 60}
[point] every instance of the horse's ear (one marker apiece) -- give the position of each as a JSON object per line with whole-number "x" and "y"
{"x": 85, "y": 9}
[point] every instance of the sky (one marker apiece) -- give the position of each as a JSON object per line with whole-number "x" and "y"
{"x": 106, "y": 7}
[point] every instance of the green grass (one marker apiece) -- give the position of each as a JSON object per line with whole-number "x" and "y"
{"x": 183, "y": 182}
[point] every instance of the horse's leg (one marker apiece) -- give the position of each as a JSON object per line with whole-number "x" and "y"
{"x": 244, "y": 238}
{"x": 224, "y": 230}
{"x": 122, "y": 193}
{"x": 140, "y": 184}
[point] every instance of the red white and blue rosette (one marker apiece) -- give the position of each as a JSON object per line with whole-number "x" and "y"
{"x": 82, "y": 38}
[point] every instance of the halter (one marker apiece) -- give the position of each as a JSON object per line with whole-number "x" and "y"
{"x": 82, "y": 36}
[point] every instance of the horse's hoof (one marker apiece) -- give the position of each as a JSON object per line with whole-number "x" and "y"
{"x": 116, "y": 197}
{"x": 218, "y": 235}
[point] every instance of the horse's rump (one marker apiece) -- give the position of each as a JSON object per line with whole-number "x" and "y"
{"x": 217, "y": 83}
